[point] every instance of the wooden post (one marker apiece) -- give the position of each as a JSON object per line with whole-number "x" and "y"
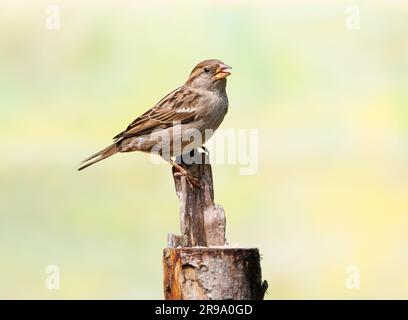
{"x": 199, "y": 264}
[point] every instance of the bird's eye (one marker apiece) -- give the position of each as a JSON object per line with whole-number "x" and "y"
{"x": 206, "y": 70}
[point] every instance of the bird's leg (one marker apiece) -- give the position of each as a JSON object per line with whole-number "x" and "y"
{"x": 193, "y": 181}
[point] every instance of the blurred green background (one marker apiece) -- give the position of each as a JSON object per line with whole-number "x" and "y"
{"x": 330, "y": 104}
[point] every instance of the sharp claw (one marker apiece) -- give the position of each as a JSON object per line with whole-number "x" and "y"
{"x": 190, "y": 183}
{"x": 194, "y": 182}
{"x": 204, "y": 149}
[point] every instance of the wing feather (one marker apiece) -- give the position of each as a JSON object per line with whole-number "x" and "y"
{"x": 178, "y": 106}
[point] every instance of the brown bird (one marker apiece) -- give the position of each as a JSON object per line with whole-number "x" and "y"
{"x": 197, "y": 107}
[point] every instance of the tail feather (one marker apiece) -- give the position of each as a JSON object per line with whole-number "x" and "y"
{"x": 103, "y": 154}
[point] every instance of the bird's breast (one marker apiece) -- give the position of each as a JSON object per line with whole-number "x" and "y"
{"x": 215, "y": 111}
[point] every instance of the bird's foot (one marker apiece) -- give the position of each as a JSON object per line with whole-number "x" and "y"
{"x": 192, "y": 181}
{"x": 205, "y": 150}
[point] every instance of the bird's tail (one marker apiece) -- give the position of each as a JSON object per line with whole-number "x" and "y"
{"x": 103, "y": 154}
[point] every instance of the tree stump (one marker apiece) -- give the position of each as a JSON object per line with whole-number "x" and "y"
{"x": 199, "y": 264}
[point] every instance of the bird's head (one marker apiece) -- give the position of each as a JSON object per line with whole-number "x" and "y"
{"x": 209, "y": 75}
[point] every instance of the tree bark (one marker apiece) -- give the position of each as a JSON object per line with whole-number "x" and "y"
{"x": 199, "y": 264}
{"x": 212, "y": 274}
{"x": 202, "y": 222}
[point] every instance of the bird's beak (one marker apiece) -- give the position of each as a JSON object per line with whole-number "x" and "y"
{"x": 222, "y": 71}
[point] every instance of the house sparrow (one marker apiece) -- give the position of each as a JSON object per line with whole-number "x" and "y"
{"x": 199, "y": 106}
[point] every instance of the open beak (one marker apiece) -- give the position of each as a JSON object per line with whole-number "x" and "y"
{"x": 222, "y": 71}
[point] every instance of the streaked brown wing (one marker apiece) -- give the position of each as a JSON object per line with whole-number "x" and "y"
{"x": 177, "y": 106}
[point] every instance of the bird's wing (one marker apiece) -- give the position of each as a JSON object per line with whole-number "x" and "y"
{"x": 178, "y": 106}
